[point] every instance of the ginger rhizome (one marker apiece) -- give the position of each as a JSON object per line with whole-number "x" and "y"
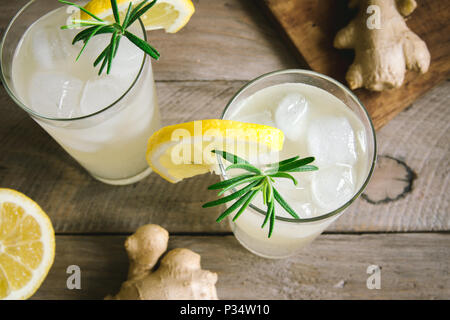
{"x": 178, "y": 277}
{"x": 384, "y": 45}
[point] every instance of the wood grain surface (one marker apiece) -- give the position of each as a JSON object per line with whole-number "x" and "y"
{"x": 224, "y": 40}
{"x": 227, "y": 43}
{"x": 420, "y": 138}
{"x": 413, "y": 266}
{"x": 33, "y": 163}
{"x": 311, "y": 26}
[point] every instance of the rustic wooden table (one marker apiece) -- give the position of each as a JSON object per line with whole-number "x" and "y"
{"x": 401, "y": 224}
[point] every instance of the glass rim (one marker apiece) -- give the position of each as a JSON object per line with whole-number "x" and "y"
{"x": 40, "y": 116}
{"x": 355, "y": 98}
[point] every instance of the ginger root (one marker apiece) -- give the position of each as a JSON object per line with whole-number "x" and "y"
{"x": 179, "y": 276}
{"x": 383, "y": 53}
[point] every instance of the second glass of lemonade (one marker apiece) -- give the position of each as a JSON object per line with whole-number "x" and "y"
{"x": 101, "y": 121}
{"x": 321, "y": 118}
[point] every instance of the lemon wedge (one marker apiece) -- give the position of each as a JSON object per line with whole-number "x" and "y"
{"x": 170, "y": 15}
{"x": 184, "y": 150}
{"x": 27, "y": 245}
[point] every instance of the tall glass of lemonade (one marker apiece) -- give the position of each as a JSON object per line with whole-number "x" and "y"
{"x": 101, "y": 121}
{"x": 320, "y": 118}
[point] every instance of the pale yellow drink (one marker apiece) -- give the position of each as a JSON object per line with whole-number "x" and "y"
{"x": 102, "y": 121}
{"x": 315, "y": 123}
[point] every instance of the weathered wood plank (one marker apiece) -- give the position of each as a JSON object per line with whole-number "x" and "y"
{"x": 312, "y": 25}
{"x": 413, "y": 266}
{"x": 33, "y": 163}
{"x": 224, "y": 40}
{"x": 419, "y": 137}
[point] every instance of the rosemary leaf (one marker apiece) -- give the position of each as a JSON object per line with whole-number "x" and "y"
{"x": 105, "y": 60}
{"x": 245, "y": 205}
{"x": 138, "y": 7}
{"x": 117, "y": 44}
{"x": 233, "y": 185}
{"x": 126, "y": 20}
{"x": 230, "y": 157}
{"x": 142, "y": 45}
{"x": 304, "y": 169}
{"x": 87, "y": 40}
{"x": 272, "y": 222}
{"x": 278, "y": 164}
{"x": 82, "y": 24}
{"x": 234, "y": 206}
{"x": 116, "y": 29}
{"x": 89, "y": 22}
{"x": 111, "y": 51}
{"x": 115, "y": 11}
{"x": 269, "y": 193}
{"x": 284, "y": 175}
{"x": 83, "y": 35}
{"x": 137, "y": 14}
{"x": 226, "y": 183}
{"x": 270, "y": 209}
{"x": 284, "y": 204}
{"x": 245, "y": 166}
{"x": 264, "y": 194}
{"x": 296, "y": 164}
{"x": 231, "y": 196}
{"x": 101, "y": 56}
{"x": 258, "y": 181}
{"x": 81, "y": 8}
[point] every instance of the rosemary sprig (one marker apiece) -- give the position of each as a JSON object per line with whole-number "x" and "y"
{"x": 257, "y": 180}
{"x": 117, "y": 29}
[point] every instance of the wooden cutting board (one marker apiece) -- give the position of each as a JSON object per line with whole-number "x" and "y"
{"x": 310, "y": 25}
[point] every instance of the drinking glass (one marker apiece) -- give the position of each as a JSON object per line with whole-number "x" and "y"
{"x": 289, "y": 234}
{"x": 110, "y": 143}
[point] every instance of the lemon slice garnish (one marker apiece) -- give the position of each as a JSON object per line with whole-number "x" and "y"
{"x": 184, "y": 150}
{"x": 170, "y": 15}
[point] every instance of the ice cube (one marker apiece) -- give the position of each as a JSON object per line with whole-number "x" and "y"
{"x": 298, "y": 196}
{"x": 286, "y": 185}
{"x": 289, "y": 115}
{"x": 100, "y": 93}
{"x": 55, "y": 94}
{"x": 264, "y": 118}
{"x": 303, "y": 209}
{"x": 129, "y": 57}
{"x": 332, "y": 187}
{"x": 125, "y": 65}
{"x": 51, "y": 45}
{"x": 299, "y": 200}
{"x": 331, "y": 140}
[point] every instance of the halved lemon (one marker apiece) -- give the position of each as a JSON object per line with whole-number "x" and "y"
{"x": 184, "y": 150}
{"x": 27, "y": 245}
{"x": 171, "y": 15}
